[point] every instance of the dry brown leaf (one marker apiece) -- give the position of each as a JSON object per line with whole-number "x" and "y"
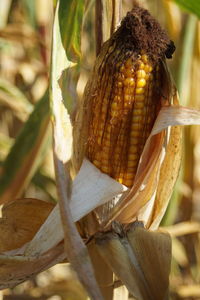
{"x": 20, "y": 221}
{"x": 168, "y": 175}
{"x": 140, "y": 258}
{"x": 15, "y": 269}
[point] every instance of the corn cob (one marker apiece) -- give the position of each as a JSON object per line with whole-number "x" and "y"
{"x": 127, "y": 98}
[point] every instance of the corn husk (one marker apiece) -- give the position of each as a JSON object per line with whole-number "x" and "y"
{"x": 140, "y": 258}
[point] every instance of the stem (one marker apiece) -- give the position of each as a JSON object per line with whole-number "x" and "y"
{"x": 183, "y": 82}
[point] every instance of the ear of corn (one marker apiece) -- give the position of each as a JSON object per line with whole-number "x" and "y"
{"x": 122, "y": 117}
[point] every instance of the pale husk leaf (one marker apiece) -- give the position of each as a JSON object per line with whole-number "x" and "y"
{"x": 90, "y": 189}
{"x": 140, "y": 258}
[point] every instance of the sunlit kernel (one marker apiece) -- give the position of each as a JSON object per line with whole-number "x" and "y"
{"x": 127, "y": 97}
{"x": 147, "y": 68}
{"x": 129, "y": 81}
{"x": 141, "y": 73}
{"x": 141, "y": 83}
{"x": 141, "y": 65}
{"x": 144, "y": 58}
{"x": 139, "y": 90}
{"x": 119, "y": 84}
{"x": 120, "y": 180}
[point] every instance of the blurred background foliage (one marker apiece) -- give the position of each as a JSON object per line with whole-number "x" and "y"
{"x": 26, "y": 161}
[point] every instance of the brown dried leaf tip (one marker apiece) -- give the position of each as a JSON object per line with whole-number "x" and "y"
{"x": 127, "y": 90}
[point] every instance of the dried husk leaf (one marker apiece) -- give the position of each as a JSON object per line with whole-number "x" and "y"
{"x": 15, "y": 268}
{"x": 20, "y": 221}
{"x": 140, "y": 258}
{"x": 90, "y": 189}
{"x": 168, "y": 175}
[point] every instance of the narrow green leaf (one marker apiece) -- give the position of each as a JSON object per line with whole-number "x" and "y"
{"x": 70, "y": 21}
{"x": 26, "y": 154}
{"x": 29, "y": 6}
{"x": 64, "y": 72}
{"x": 12, "y": 97}
{"x": 192, "y": 6}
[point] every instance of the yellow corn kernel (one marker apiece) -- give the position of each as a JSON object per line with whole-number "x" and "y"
{"x": 139, "y": 105}
{"x": 133, "y": 149}
{"x": 141, "y": 74}
{"x": 144, "y": 58}
{"x": 140, "y": 98}
{"x": 141, "y": 83}
{"x": 135, "y": 133}
{"x": 141, "y": 65}
{"x": 137, "y": 118}
{"x": 121, "y": 133}
{"x": 128, "y": 72}
{"x": 132, "y": 163}
{"x": 139, "y": 90}
{"x": 128, "y": 176}
{"x": 129, "y": 81}
{"x": 127, "y": 97}
{"x": 119, "y": 84}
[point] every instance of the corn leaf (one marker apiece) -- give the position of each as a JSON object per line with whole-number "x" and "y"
{"x": 90, "y": 189}
{"x": 16, "y": 268}
{"x": 192, "y": 6}
{"x": 12, "y": 97}
{"x": 26, "y": 154}
{"x": 140, "y": 259}
{"x": 18, "y": 224}
{"x": 66, "y": 46}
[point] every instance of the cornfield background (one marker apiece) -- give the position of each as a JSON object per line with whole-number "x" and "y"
{"x": 25, "y": 131}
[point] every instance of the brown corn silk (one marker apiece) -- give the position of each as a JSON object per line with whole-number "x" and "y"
{"x": 128, "y": 86}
